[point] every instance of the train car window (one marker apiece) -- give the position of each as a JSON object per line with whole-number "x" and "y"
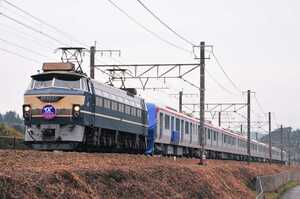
{"x": 167, "y": 122}
{"x": 215, "y": 135}
{"x": 127, "y": 109}
{"x": 191, "y": 128}
{"x": 186, "y": 128}
{"x": 208, "y": 134}
{"x": 194, "y": 128}
{"x": 225, "y": 138}
{"x": 161, "y": 123}
{"x": 182, "y": 126}
{"x": 121, "y": 107}
{"x": 114, "y": 106}
{"x": 133, "y": 111}
{"x": 107, "y": 103}
{"x": 172, "y": 123}
{"x": 177, "y": 125}
{"x": 139, "y": 113}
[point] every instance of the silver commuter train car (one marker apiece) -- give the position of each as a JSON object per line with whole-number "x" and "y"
{"x": 174, "y": 133}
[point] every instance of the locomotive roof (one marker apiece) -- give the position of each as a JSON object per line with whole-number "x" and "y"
{"x": 69, "y": 73}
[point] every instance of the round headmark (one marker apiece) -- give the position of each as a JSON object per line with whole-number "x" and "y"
{"x": 48, "y": 112}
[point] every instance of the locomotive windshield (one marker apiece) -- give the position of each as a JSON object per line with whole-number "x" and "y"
{"x": 67, "y": 83}
{"x": 72, "y": 82}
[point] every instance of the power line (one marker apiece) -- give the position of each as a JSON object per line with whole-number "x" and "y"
{"x": 259, "y": 105}
{"x": 223, "y": 70}
{"x": 218, "y": 83}
{"x": 147, "y": 29}
{"x": 70, "y": 37}
{"x": 19, "y": 55}
{"x": 21, "y": 47}
{"x": 163, "y": 23}
{"x": 24, "y": 35}
{"x": 33, "y": 29}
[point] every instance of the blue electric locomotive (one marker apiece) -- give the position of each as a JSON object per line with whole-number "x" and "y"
{"x": 66, "y": 110}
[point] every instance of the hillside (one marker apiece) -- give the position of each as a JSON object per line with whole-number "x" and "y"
{"x": 8, "y": 131}
{"x": 294, "y": 141}
{"x": 33, "y": 174}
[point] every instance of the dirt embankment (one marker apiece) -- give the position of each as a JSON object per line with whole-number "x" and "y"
{"x": 32, "y": 174}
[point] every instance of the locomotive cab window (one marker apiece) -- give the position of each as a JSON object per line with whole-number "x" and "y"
{"x": 67, "y": 83}
{"x": 59, "y": 81}
{"x": 43, "y": 82}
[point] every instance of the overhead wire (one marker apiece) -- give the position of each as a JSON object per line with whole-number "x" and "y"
{"x": 147, "y": 29}
{"x": 24, "y": 48}
{"x": 165, "y": 24}
{"x": 260, "y": 106}
{"x": 19, "y": 55}
{"x": 218, "y": 83}
{"x": 65, "y": 34}
{"x": 32, "y": 28}
{"x": 223, "y": 70}
{"x": 9, "y": 29}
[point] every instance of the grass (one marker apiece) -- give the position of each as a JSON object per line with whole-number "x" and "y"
{"x": 281, "y": 190}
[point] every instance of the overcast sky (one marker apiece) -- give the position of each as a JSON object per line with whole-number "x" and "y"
{"x": 256, "y": 41}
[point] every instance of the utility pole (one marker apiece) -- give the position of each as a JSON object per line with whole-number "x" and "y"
{"x": 248, "y": 125}
{"x": 270, "y": 140}
{"x": 202, "y": 98}
{"x": 281, "y": 143}
{"x": 219, "y": 118}
{"x": 180, "y": 101}
{"x": 92, "y": 62}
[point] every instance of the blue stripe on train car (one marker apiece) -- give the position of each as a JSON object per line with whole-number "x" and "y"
{"x": 152, "y": 124}
{"x": 175, "y": 137}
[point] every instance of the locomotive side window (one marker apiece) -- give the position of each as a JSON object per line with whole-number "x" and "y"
{"x": 121, "y": 107}
{"x": 167, "y": 122}
{"x": 114, "y": 106}
{"x": 139, "y": 113}
{"x": 84, "y": 85}
{"x": 133, "y": 111}
{"x": 107, "y": 103}
{"x": 127, "y": 109}
{"x": 99, "y": 101}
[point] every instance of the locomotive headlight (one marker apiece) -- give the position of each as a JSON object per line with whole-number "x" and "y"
{"x": 26, "y": 111}
{"x": 27, "y": 108}
{"x": 76, "y": 110}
